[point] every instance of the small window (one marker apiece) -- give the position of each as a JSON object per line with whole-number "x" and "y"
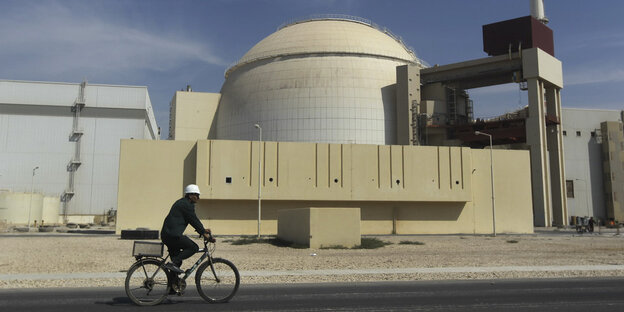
{"x": 570, "y": 188}
{"x": 593, "y": 134}
{"x": 565, "y": 132}
{"x": 578, "y": 133}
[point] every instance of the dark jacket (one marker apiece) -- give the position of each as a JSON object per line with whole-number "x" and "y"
{"x": 182, "y": 213}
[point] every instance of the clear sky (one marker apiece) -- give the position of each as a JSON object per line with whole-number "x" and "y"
{"x": 166, "y": 45}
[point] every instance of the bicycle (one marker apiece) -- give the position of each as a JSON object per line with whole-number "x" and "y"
{"x": 148, "y": 282}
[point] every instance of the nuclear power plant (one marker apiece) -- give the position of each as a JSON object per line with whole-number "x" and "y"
{"x": 336, "y": 112}
{"x": 334, "y": 118}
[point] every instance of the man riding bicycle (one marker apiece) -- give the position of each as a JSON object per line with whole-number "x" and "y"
{"x": 182, "y": 214}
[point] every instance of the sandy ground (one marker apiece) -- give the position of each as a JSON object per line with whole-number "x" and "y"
{"x": 41, "y": 254}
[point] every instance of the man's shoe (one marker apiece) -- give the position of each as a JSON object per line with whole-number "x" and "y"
{"x": 173, "y": 268}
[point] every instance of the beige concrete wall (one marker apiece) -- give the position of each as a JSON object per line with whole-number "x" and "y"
{"x": 440, "y": 189}
{"x": 151, "y": 177}
{"x": 81, "y": 219}
{"x": 293, "y": 225}
{"x": 19, "y": 207}
{"x": 320, "y": 227}
{"x": 335, "y": 227}
{"x": 539, "y": 64}
{"x": 193, "y": 114}
{"x": 309, "y": 171}
{"x": 512, "y": 189}
{"x": 51, "y": 211}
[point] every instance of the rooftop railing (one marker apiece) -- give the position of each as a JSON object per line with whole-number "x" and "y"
{"x": 339, "y": 17}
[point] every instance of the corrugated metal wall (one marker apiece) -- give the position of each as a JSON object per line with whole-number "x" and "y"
{"x": 32, "y": 135}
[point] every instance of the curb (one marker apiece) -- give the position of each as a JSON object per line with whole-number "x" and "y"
{"x": 69, "y": 276}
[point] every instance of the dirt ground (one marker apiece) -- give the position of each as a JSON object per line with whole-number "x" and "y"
{"x": 34, "y": 254}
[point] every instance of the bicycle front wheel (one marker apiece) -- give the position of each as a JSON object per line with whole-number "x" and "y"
{"x": 218, "y": 285}
{"x": 147, "y": 283}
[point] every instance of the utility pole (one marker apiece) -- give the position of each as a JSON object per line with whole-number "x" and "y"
{"x": 32, "y": 189}
{"x": 259, "y": 176}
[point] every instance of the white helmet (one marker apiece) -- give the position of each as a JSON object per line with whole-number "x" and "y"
{"x": 191, "y": 189}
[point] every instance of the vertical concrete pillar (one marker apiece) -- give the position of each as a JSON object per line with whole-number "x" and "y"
{"x": 556, "y": 157}
{"x": 407, "y": 104}
{"x": 536, "y": 139}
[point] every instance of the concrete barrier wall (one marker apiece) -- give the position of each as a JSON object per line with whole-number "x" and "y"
{"x": 320, "y": 227}
{"x": 440, "y": 190}
{"x": 151, "y": 178}
{"x": 335, "y": 227}
{"x": 293, "y": 225}
{"x": 310, "y": 171}
{"x": 51, "y": 212}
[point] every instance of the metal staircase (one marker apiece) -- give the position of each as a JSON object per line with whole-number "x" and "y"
{"x": 75, "y": 136}
{"x": 451, "y": 106}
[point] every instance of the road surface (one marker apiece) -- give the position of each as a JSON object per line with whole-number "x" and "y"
{"x": 599, "y": 294}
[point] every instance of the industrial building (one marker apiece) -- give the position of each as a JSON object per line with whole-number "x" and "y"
{"x": 594, "y": 164}
{"x": 336, "y": 112}
{"x": 327, "y": 112}
{"x": 59, "y": 145}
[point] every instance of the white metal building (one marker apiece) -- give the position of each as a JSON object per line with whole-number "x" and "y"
{"x": 72, "y": 133}
{"x": 583, "y": 159}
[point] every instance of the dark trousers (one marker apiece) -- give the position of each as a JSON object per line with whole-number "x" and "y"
{"x": 180, "y": 248}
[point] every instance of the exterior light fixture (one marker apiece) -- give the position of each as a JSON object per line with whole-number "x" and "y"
{"x": 491, "y": 182}
{"x": 32, "y": 188}
{"x": 259, "y": 176}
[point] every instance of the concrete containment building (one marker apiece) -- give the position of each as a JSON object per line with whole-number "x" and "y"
{"x": 62, "y": 140}
{"x": 317, "y": 80}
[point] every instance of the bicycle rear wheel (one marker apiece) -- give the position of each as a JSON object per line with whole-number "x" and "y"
{"x": 220, "y": 285}
{"x": 147, "y": 283}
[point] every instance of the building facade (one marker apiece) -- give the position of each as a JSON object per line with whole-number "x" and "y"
{"x": 326, "y": 79}
{"x": 613, "y": 168}
{"x": 398, "y": 189}
{"x": 584, "y": 142}
{"x": 62, "y": 140}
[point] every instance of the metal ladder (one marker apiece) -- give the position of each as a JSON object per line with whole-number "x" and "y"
{"x": 75, "y": 136}
{"x": 451, "y": 106}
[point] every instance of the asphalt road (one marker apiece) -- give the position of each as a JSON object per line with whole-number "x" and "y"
{"x": 494, "y": 295}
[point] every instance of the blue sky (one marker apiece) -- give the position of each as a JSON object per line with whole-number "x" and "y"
{"x": 166, "y": 45}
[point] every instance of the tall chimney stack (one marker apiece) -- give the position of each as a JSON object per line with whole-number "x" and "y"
{"x": 537, "y": 11}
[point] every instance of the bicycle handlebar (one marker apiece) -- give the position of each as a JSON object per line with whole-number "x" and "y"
{"x": 211, "y": 238}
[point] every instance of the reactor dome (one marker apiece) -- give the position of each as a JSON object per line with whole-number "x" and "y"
{"x": 325, "y": 79}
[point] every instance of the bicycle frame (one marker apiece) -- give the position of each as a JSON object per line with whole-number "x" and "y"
{"x": 188, "y": 272}
{"x": 206, "y": 254}
{"x": 143, "y": 283}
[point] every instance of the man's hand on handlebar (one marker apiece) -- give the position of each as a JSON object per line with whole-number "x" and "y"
{"x": 208, "y": 236}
